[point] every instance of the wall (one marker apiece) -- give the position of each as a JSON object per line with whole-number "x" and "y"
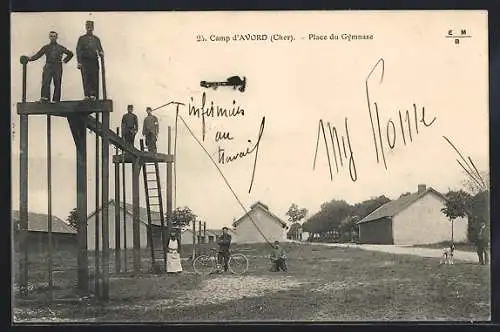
{"x": 129, "y": 223}
{"x": 376, "y": 232}
{"x": 424, "y": 223}
{"x": 248, "y": 233}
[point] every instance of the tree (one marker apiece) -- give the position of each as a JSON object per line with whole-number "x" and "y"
{"x": 182, "y": 216}
{"x": 329, "y": 217}
{"x": 456, "y": 206}
{"x": 477, "y": 182}
{"x": 349, "y": 228}
{"x": 74, "y": 219}
{"x": 295, "y": 214}
{"x": 479, "y": 212}
{"x": 293, "y": 232}
{"x": 368, "y": 206}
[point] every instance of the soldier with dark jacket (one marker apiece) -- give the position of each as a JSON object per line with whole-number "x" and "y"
{"x": 278, "y": 258}
{"x": 482, "y": 242}
{"x": 150, "y": 130}
{"x": 130, "y": 125}
{"x": 52, "y": 71}
{"x": 88, "y": 49}
{"x": 224, "y": 242}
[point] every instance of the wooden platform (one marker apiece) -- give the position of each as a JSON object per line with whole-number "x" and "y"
{"x": 64, "y": 108}
{"x": 147, "y": 157}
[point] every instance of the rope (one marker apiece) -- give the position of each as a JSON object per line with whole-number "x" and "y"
{"x": 225, "y": 180}
{"x": 175, "y": 145}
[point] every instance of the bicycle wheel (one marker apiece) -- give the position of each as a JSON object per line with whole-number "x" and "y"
{"x": 238, "y": 264}
{"x": 203, "y": 264}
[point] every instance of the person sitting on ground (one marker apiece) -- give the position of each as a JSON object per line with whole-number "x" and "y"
{"x": 278, "y": 258}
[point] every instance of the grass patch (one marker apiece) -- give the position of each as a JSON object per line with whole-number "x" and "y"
{"x": 323, "y": 283}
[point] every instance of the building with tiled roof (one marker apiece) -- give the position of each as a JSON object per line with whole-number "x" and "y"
{"x": 412, "y": 219}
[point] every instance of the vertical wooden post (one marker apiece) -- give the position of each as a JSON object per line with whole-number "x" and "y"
{"x": 125, "y": 258}
{"x": 169, "y": 187}
{"x": 117, "y": 213}
{"x": 97, "y": 224}
{"x": 136, "y": 171}
{"x": 452, "y": 240}
{"x": 49, "y": 202}
{"x": 105, "y": 201}
{"x": 205, "y": 231}
{"x": 103, "y": 72}
{"x": 200, "y": 239}
{"x": 81, "y": 185}
{"x": 23, "y": 195}
{"x": 194, "y": 239}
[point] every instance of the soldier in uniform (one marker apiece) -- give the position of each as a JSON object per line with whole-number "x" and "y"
{"x": 130, "y": 125}
{"x": 482, "y": 242}
{"x": 150, "y": 130}
{"x": 224, "y": 242}
{"x": 53, "y": 67}
{"x": 88, "y": 49}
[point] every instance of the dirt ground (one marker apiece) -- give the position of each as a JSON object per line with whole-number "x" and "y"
{"x": 323, "y": 284}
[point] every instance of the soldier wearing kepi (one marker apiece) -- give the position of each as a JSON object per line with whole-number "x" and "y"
{"x": 53, "y": 67}
{"x": 87, "y": 51}
{"x": 224, "y": 242}
{"x": 150, "y": 130}
{"x": 130, "y": 125}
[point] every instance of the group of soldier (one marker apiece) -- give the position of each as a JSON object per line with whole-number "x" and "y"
{"x": 150, "y": 127}
{"x": 88, "y": 51}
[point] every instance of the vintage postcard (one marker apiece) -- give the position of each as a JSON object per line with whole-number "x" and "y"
{"x": 250, "y": 166}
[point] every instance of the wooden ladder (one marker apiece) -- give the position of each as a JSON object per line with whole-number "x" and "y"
{"x": 154, "y": 207}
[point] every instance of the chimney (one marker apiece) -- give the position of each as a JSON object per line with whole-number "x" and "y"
{"x": 421, "y": 188}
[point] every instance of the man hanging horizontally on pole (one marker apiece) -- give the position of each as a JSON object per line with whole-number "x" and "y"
{"x": 150, "y": 130}
{"x": 88, "y": 49}
{"x": 130, "y": 125}
{"x": 53, "y": 67}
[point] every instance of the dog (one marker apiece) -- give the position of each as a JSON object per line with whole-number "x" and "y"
{"x": 447, "y": 257}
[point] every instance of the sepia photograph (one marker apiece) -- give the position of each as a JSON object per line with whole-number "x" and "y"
{"x": 250, "y": 166}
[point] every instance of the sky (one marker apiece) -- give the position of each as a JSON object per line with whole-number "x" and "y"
{"x": 154, "y": 58}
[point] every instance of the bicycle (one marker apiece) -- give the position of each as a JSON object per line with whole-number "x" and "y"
{"x": 209, "y": 264}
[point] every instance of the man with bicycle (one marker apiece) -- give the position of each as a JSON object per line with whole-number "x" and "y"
{"x": 224, "y": 242}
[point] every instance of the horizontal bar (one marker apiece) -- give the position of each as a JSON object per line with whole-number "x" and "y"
{"x": 65, "y": 107}
{"x": 145, "y": 157}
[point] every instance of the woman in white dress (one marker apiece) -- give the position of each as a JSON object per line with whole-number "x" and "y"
{"x": 173, "y": 254}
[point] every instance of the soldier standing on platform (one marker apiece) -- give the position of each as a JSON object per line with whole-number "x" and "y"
{"x": 150, "y": 130}
{"x": 53, "y": 67}
{"x": 87, "y": 51}
{"x": 130, "y": 125}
